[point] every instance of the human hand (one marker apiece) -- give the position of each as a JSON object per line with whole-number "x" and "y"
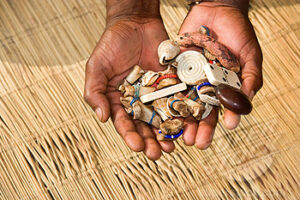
{"x": 231, "y": 27}
{"x": 128, "y": 39}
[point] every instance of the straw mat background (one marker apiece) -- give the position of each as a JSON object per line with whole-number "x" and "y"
{"x": 53, "y": 147}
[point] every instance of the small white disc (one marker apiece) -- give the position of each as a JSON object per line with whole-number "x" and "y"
{"x": 190, "y": 67}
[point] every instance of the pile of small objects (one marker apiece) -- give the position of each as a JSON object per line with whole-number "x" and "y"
{"x": 193, "y": 83}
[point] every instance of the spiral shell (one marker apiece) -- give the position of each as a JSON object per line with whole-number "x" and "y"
{"x": 190, "y": 67}
{"x": 167, "y": 51}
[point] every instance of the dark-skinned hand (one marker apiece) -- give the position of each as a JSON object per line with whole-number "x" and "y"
{"x": 127, "y": 41}
{"x": 231, "y": 27}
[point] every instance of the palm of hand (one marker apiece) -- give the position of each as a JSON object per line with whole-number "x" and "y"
{"x": 124, "y": 44}
{"x": 231, "y": 28}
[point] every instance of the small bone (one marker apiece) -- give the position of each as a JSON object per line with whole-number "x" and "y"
{"x": 195, "y": 108}
{"x": 126, "y": 101}
{"x": 146, "y": 114}
{"x": 167, "y": 51}
{"x": 141, "y": 111}
{"x": 171, "y": 126}
{"x": 160, "y": 106}
{"x": 149, "y": 78}
{"x": 167, "y": 81}
{"x": 129, "y": 90}
{"x": 178, "y": 108}
{"x": 205, "y": 89}
{"x": 135, "y": 74}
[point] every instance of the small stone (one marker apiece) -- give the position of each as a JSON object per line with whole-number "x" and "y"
{"x": 233, "y": 99}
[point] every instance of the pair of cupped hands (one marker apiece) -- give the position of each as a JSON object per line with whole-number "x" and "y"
{"x": 129, "y": 40}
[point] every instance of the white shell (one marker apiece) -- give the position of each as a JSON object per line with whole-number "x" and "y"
{"x": 167, "y": 51}
{"x": 190, "y": 67}
{"x": 208, "y": 99}
{"x": 149, "y": 78}
{"x": 208, "y": 109}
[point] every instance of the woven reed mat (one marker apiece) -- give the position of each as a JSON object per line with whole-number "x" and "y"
{"x": 53, "y": 147}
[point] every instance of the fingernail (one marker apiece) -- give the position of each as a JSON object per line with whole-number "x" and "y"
{"x": 98, "y": 112}
{"x": 251, "y": 95}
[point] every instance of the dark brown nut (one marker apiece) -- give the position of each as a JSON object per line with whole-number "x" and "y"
{"x": 233, "y": 99}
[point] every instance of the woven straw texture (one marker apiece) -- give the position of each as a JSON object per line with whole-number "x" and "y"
{"x": 53, "y": 147}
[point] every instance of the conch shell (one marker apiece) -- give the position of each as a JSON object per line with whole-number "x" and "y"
{"x": 129, "y": 90}
{"x": 196, "y": 109}
{"x": 171, "y": 126}
{"x": 135, "y": 74}
{"x": 160, "y": 106}
{"x": 167, "y": 51}
{"x": 167, "y": 81}
{"x": 140, "y": 111}
{"x": 177, "y": 108}
{"x": 149, "y": 78}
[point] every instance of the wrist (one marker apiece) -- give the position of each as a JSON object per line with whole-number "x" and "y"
{"x": 132, "y": 8}
{"x": 242, "y": 5}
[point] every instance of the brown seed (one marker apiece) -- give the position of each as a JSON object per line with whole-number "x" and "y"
{"x": 233, "y": 99}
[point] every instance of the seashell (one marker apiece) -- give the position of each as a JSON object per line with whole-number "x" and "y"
{"x": 167, "y": 51}
{"x": 196, "y": 109}
{"x": 171, "y": 126}
{"x": 135, "y": 74}
{"x": 212, "y": 100}
{"x": 146, "y": 114}
{"x": 149, "y": 78}
{"x": 163, "y": 81}
{"x": 208, "y": 109}
{"x": 160, "y": 106}
{"x": 177, "y": 108}
{"x": 190, "y": 67}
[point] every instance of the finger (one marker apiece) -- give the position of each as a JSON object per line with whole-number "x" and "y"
{"x": 152, "y": 149}
{"x": 231, "y": 119}
{"x": 189, "y": 131}
{"x": 166, "y": 146}
{"x": 126, "y": 128}
{"x": 206, "y": 130}
{"x": 252, "y": 82}
{"x": 96, "y": 78}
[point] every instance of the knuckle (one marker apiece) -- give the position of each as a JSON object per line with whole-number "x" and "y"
{"x": 87, "y": 96}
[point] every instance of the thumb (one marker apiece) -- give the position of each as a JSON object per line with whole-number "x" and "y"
{"x": 252, "y": 82}
{"x": 252, "y": 79}
{"x": 95, "y": 89}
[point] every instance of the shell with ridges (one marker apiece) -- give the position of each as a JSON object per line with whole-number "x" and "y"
{"x": 167, "y": 51}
